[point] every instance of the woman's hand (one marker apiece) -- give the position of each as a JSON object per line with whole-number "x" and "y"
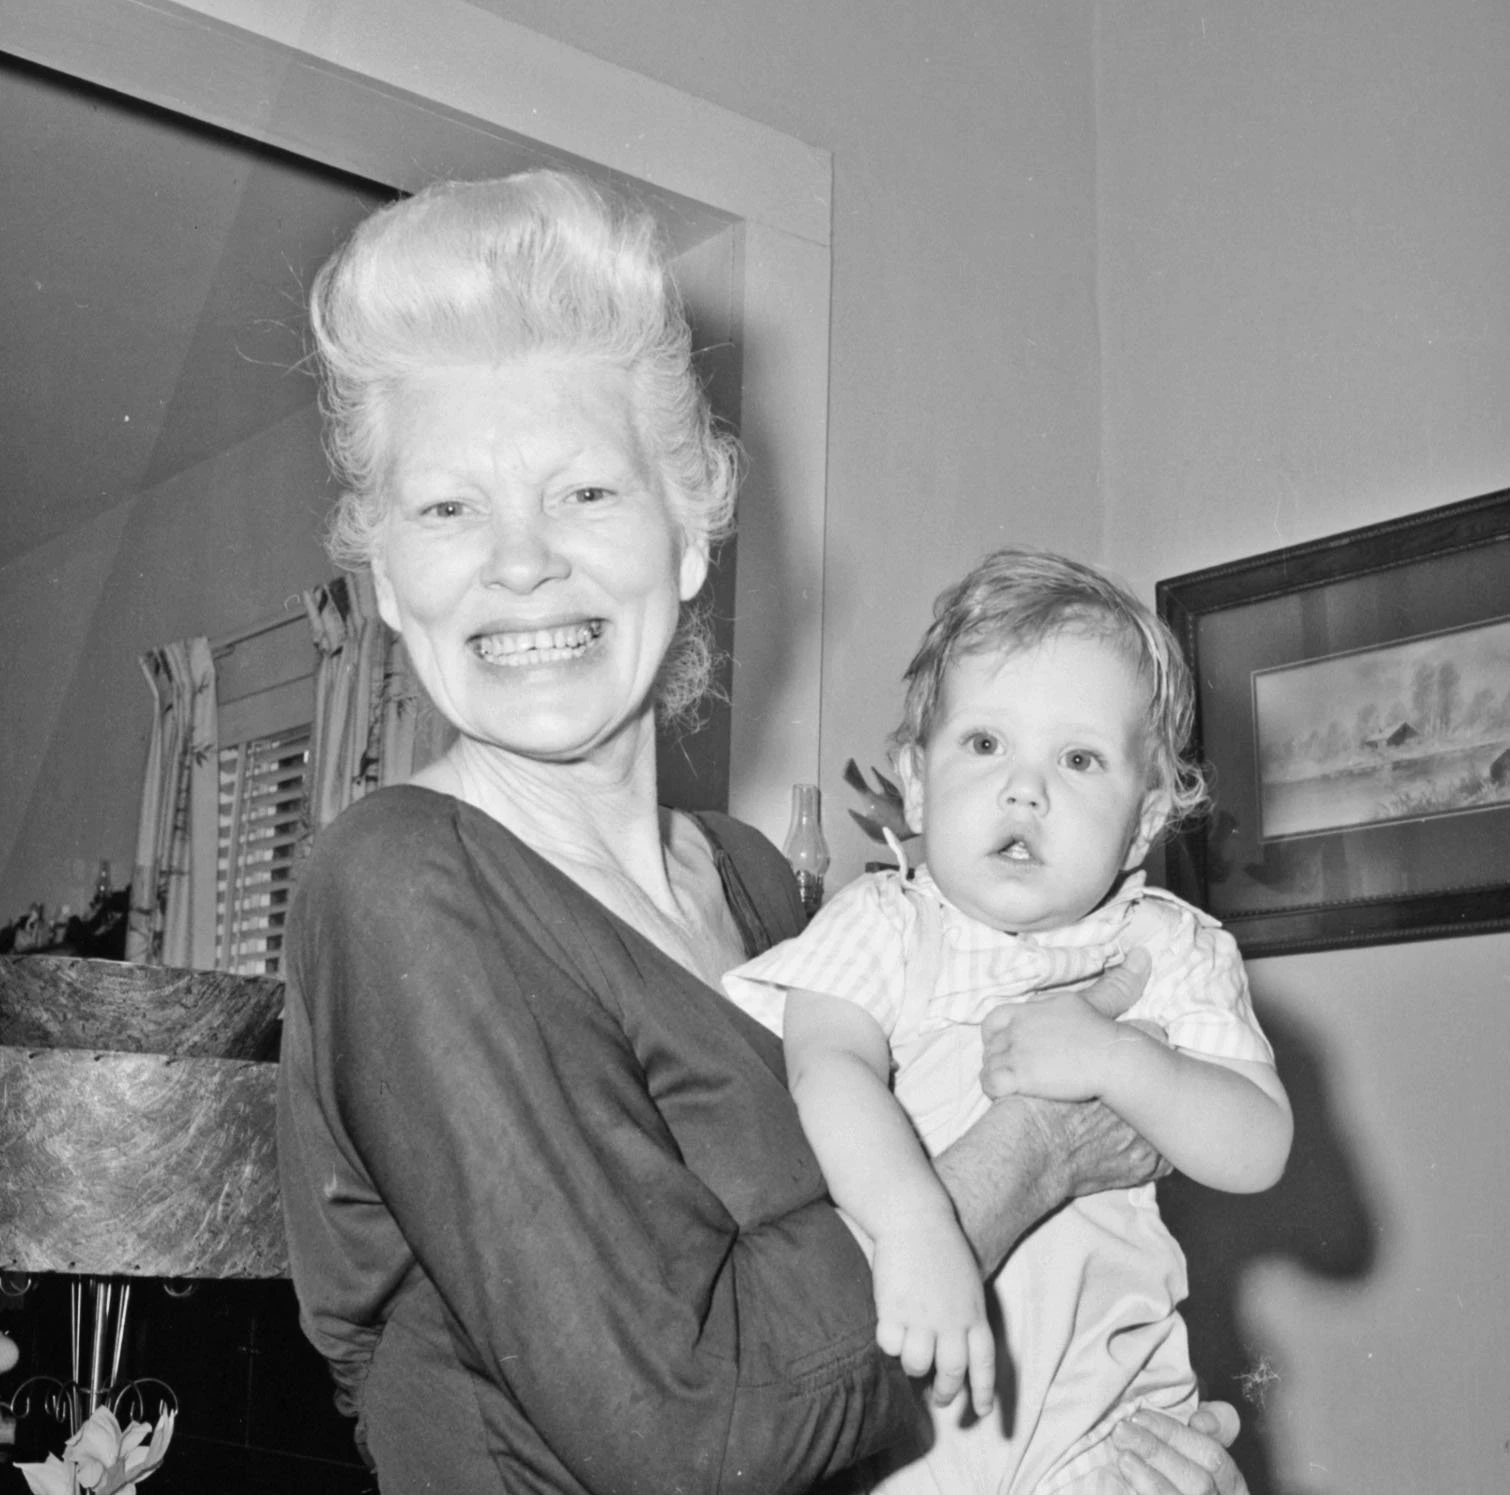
{"x": 1092, "y": 1148}
{"x": 1159, "y": 1456}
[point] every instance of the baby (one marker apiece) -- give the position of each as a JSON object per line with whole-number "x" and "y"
{"x": 1041, "y": 755}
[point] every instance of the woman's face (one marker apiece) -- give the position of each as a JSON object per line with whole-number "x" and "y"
{"x": 529, "y": 557}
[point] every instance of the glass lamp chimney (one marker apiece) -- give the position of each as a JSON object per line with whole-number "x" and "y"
{"x": 805, "y": 847}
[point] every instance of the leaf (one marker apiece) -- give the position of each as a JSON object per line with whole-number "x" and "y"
{"x": 883, "y": 807}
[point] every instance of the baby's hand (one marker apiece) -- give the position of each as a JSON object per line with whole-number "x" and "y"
{"x": 931, "y": 1309}
{"x": 1055, "y": 1047}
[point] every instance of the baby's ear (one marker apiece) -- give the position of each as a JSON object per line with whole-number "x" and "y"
{"x": 1152, "y": 819}
{"x": 910, "y": 771}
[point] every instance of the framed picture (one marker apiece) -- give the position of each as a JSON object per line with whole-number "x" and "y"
{"x": 1353, "y": 705}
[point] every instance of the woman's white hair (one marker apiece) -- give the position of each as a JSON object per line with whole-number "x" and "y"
{"x": 481, "y": 272}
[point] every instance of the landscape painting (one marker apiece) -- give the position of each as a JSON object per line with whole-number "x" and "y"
{"x": 1408, "y": 730}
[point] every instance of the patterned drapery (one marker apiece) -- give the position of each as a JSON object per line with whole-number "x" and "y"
{"x": 373, "y": 724}
{"x": 172, "y": 918}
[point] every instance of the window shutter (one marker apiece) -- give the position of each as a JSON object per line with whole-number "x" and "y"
{"x": 263, "y": 786}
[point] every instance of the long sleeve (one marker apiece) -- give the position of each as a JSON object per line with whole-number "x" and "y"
{"x": 495, "y": 1086}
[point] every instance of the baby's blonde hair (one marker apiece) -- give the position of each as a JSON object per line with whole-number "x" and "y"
{"x": 1018, "y": 598}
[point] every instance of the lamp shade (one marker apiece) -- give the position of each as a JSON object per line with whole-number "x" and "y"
{"x": 138, "y": 1132}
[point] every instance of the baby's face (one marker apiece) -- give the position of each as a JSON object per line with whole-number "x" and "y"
{"x": 1032, "y": 790}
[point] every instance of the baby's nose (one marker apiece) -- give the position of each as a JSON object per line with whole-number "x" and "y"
{"x": 1023, "y": 788}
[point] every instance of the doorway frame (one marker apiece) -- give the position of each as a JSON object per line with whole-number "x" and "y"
{"x": 401, "y": 94}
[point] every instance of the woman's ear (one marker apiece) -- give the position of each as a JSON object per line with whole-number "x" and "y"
{"x": 694, "y": 568}
{"x": 1152, "y": 819}
{"x": 386, "y": 601}
{"x": 910, "y": 771}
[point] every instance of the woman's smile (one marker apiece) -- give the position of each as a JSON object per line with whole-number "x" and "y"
{"x": 518, "y": 649}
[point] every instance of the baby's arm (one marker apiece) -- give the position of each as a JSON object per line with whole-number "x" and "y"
{"x": 930, "y": 1306}
{"x": 1223, "y": 1122}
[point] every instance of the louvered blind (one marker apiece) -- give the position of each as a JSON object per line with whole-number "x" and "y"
{"x": 262, "y": 793}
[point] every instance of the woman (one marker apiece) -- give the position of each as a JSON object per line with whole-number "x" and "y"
{"x": 551, "y": 1217}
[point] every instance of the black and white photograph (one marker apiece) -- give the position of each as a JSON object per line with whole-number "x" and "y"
{"x": 752, "y": 747}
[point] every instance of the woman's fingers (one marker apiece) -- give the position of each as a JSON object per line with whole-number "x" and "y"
{"x": 1159, "y": 1456}
{"x": 1112, "y": 993}
{"x": 1218, "y": 1420}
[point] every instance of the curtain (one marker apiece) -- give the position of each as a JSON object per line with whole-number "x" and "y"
{"x": 373, "y": 724}
{"x": 172, "y": 918}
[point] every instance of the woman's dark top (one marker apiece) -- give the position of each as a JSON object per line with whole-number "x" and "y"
{"x": 551, "y": 1216}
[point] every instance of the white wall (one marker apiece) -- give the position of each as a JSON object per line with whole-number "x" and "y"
{"x": 963, "y": 375}
{"x": 1305, "y": 293}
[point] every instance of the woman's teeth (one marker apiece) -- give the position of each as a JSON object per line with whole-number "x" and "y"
{"x": 538, "y": 645}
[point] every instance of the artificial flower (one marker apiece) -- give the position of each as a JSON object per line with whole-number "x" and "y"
{"x": 53, "y": 1477}
{"x": 94, "y": 1447}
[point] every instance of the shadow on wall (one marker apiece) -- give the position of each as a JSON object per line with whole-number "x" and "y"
{"x": 1316, "y": 1217}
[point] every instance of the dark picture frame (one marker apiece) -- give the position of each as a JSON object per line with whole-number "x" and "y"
{"x": 1353, "y": 706}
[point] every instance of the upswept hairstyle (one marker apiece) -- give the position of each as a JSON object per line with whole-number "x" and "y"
{"x": 1018, "y": 598}
{"x": 480, "y": 272}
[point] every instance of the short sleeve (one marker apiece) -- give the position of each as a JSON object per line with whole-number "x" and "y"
{"x": 853, "y": 949}
{"x": 1198, "y": 992}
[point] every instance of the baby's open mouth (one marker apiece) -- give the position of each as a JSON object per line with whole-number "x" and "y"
{"x": 536, "y": 646}
{"x": 1015, "y": 850}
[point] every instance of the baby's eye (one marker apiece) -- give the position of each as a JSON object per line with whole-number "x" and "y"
{"x": 1082, "y": 760}
{"x": 983, "y": 744}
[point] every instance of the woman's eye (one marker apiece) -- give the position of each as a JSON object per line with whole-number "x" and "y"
{"x": 589, "y": 495}
{"x": 983, "y": 744}
{"x": 445, "y": 508}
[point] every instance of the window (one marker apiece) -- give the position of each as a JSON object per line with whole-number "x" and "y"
{"x": 261, "y": 818}
{"x": 264, "y": 687}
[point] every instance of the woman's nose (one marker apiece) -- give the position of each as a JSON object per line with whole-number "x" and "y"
{"x": 522, "y": 551}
